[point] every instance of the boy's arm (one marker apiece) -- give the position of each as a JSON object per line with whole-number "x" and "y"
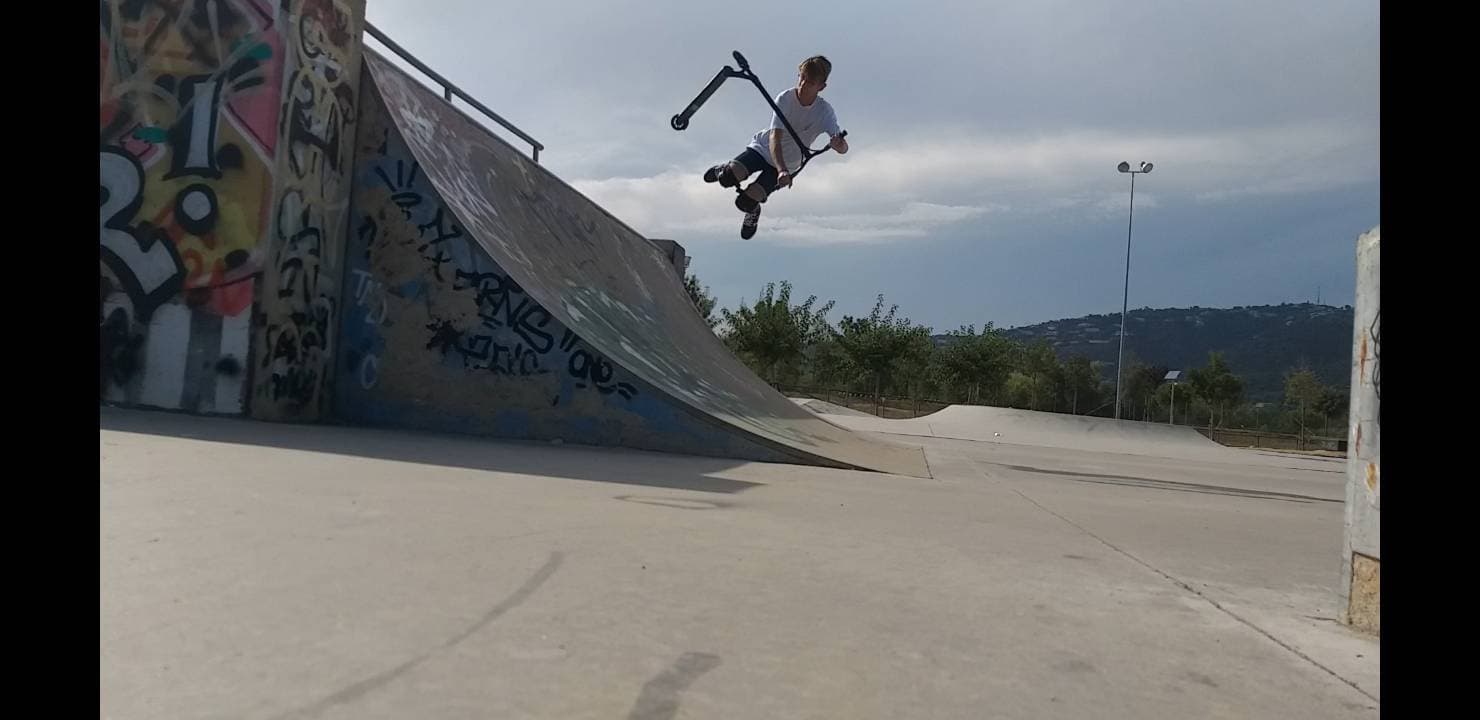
{"x": 839, "y": 142}
{"x": 784, "y": 99}
{"x": 783, "y": 175}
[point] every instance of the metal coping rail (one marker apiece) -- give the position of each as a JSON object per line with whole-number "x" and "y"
{"x": 449, "y": 90}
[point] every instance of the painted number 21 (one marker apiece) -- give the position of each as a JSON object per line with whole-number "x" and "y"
{"x": 143, "y": 258}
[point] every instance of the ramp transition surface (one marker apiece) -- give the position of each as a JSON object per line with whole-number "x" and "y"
{"x": 1044, "y": 429}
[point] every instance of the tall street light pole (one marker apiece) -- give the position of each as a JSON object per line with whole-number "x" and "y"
{"x": 1125, "y": 167}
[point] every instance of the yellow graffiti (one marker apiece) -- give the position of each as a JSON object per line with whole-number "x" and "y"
{"x": 147, "y": 55}
{"x": 243, "y": 195}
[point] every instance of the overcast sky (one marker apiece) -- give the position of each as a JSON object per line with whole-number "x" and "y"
{"x": 981, "y": 185}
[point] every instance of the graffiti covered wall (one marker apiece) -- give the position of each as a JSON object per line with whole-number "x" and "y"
{"x": 436, "y": 336}
{"x": 293, "y": 339}
{"x": 188, "y": 101}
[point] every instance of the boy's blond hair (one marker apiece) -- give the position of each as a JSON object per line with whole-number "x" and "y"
{"x": 816, "y": 68}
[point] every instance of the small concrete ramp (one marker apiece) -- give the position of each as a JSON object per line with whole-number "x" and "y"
{"x": 822, "y": 407}
{"x": 607, "y": 283}
{"x": 1044, "y": 429}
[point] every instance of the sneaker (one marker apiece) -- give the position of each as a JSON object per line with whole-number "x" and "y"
{"x": 746, "y": 203}
{"x": 748, "y": 225}
{"x": 721, "y": 174}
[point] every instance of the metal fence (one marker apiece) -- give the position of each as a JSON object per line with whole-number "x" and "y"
{"x": 1273, "y": 440}
{"x": 885, "y": 406}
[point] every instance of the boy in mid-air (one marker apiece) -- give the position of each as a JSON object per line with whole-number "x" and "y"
{"x": 772, "y": 152}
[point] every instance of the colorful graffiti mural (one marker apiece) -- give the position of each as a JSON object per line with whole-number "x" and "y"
{"x": 300, "y": 290}
{"x": 189, "y": 95}
{"x": 188, "y": 102}
{"x": 224, "y": 132}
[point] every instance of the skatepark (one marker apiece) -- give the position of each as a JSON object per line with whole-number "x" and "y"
{"x": 452, "y": 441}
{"x": 345, "y": 572}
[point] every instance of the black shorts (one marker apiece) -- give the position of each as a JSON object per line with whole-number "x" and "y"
{"x": 757, "y": 163}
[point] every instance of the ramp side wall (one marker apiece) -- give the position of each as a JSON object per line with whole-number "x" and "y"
{"x": 435, "y": 335}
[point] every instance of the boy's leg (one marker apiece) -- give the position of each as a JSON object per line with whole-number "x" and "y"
{"x": 724, "y": 174}
{"x": 751, "y": 198}
{"x": 732, "y": 173}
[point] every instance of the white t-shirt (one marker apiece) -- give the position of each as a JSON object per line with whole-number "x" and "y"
{"x": 809, "y": 122}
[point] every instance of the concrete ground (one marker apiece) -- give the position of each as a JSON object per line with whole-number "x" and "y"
{"x": 278, "y": 571}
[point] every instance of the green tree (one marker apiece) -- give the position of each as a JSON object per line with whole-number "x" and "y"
{"x": 912, "y": 368}
{"x": 977, "y": 363}
{"x": 1217, "y": 386}
{"x": 703, "y": 300}
{"x": 1082, "y": 383}
{"x": 1041, "y": 365}
{"x": 1019, "y": 390}
{"x": 881, "y": 344}
{"x": 1303, "y": 391}
{"x": 1332, "y": 403}
{"x": 827, "y": 366}
{"x": 773, "y": 332}
{"x": 1165, "y": 393}
{"x": 1138, "y": 386}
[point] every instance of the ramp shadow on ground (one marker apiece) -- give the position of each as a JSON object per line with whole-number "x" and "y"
{"x": 568, "y": 461}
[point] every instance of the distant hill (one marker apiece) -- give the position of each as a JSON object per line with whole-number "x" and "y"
{"x": 1260, "y": 343}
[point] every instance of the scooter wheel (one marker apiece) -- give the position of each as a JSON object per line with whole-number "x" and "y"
{"x": 679, "y": 122}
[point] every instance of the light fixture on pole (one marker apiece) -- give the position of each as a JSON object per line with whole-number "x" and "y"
{"x": 1172, "y": 377}
{"x": 1125, "y": 167}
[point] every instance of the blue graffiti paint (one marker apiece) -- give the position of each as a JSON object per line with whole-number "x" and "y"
{"x": 492, "y": 345}
{"x": 411, "y": 289}
{"x": 512, "y": 424}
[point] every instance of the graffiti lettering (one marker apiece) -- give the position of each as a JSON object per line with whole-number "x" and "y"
{"x": 295, "y": 351}
{"x": 194, "y": 153}
{"x": 438, "y": 255}
{"x": 314, "y": 127}
{"x": 512, "y": 334}
{"x": 483, "y": 352}
{"x": 527, "y": 319}
{"x": 193, "y": 137}
{"x": 170, "y": 73}
{"x": 298, "y": 259}
{"x": 118, "y": 350}
{"x": 502, "y": 305}
{"x": 439, "y": 226}
{"x": 189, "y": 96}
{"x": 370, "y": 294}
{"x": 586, "y": 366}
{"x": 321, "y": 104}
{"x": 369, "y": 371}
{"x": 317, "y": 122}
{"x": 401, "y": 194}
{"x": 1376, "y": 331}
{"x": 142, "y": 257}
